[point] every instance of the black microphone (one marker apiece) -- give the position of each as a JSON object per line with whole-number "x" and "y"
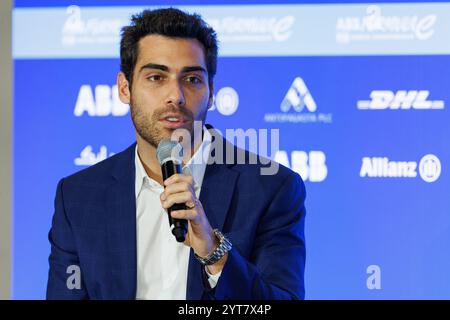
{"x": 169, "y": 154}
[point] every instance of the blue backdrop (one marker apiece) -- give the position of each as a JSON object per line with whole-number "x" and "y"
{"x": 359, "y": 93}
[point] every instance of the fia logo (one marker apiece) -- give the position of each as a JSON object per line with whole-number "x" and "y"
{"x": 309, "y": 165}
{"x": 101, "y": 102}
{"x": 226, "y": 101}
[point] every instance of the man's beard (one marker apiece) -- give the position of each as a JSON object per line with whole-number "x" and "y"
{"x": 149, "y": 128}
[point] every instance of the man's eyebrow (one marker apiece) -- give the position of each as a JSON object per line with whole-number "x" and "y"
{"x": 193, "y": 68}
{"x": 166, "y": 68}
{"x": 154, "y": 66}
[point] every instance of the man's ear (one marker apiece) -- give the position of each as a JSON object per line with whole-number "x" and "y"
{"x": 124, "y": 88}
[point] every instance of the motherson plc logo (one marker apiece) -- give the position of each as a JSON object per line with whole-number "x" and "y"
{"x": 402, "y": 99}
{"x": 101, "y": 102}
{"x": 381, "y": 167}
{"x": 298, "y": 99}
{"x": 375, "y": 26}
{"x": 77, "y": 30}
{"x": 253, "y": 29}
{"x": 309, "y": 165}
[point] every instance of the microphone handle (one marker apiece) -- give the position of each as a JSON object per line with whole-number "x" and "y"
{"x": 179, "y": 227}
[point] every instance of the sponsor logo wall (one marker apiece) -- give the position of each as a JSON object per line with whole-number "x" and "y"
{"x": 358, "y": 92}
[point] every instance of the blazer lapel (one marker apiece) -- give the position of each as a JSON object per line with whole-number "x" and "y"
{"x": 121, "y": 228}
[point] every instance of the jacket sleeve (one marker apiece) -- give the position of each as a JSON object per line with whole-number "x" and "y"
{"x": 64, "y": 277}
{"x": 276, "y": 266}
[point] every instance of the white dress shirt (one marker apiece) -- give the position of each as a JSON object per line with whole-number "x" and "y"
{"x": 162, "y": 265}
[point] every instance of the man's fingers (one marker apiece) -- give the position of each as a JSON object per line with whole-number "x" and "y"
{"x": 179, "y": 177}
{"x": 180, "y": 197}
{"x": 176, "y": 188}
{"x": 184, "y": 214}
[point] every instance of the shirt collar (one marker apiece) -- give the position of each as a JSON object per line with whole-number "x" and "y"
{"x": 141, "y": 175}
{"x": 196, "y": 166}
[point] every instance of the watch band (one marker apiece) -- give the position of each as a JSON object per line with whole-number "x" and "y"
{"x": 223, "y": 247}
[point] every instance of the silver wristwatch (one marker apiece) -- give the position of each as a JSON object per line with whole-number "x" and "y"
{"x": 223, "y": 247}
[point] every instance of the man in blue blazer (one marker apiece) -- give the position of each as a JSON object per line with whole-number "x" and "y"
{"x": 110, "y": 238}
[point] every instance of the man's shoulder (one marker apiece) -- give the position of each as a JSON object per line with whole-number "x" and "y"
{"x": 250, "y": 165}
{"x": 267, "y": 179}
{"x": 263, "y": 170}
{"x": 103, "y": 171}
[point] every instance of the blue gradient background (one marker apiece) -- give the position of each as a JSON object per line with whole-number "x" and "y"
{"x": 399, "y": 224}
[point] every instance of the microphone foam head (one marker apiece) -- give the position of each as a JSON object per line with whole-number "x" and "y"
{"x": 169, "y": 150}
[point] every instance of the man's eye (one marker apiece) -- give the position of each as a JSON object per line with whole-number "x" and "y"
{"x": 155, "y": 77}
{"x": 194, "y": 80}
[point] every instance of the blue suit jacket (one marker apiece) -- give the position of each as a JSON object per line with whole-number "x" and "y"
{"x": 94, "y": 227}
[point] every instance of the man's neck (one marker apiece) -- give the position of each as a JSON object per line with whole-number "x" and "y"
{"x": 147, "y": 155}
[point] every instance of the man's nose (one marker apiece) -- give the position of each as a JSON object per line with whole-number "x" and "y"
{"x": 175, "y": 94}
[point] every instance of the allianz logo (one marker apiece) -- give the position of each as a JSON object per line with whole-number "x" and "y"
{"x": 88, "y": 157}
{"x": 311, "y": 166}
{"x": 429, "y": 168}
{"x": 400, "y": 100}
{"x": 77, "y": 30}
{"x": 376, "y": 26}
{"x": 298, "y": 106}
{"x": 253, "y": 28}
{"x": 103, "y": 100}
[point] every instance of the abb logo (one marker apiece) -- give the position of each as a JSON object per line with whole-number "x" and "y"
{"x": 309, "y": 165}
{"x": 101, "y": 102}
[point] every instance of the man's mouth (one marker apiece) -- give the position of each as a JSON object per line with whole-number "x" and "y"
{"x": 173, "y": 122}
{"x": 173, "y": 119}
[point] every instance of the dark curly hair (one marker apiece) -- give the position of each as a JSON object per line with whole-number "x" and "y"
{"x": 168, "y": 22}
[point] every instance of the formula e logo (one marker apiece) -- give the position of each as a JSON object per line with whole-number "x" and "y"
{"x": 309, "y": 165}
{"x": 253, "y": 29}
{"x": 298, "y": 97}
{"x": 377, "y": 26}
{"x": 101, "y": 102}
{"x": 402, "y": 99}
{"x": 382, "y": 167}
{"x": 92, "y": 31}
